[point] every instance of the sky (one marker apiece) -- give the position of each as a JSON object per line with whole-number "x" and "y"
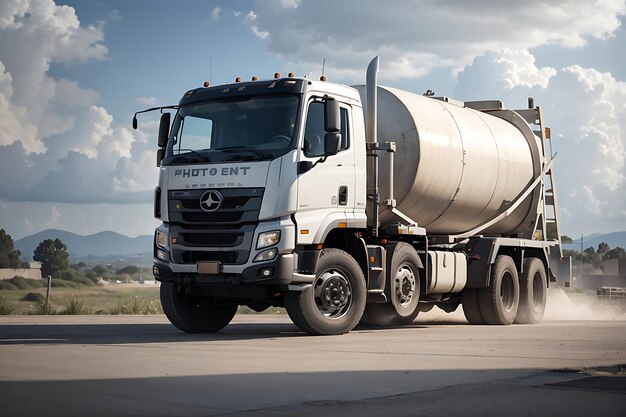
{"x": 73, "y": 72}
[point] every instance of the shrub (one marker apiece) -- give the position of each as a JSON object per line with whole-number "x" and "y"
{"x": 5, "y": 307}
{"x": 129, "y": 270}
{"x": 6, "y": 285}
{"x": 100, "y": 269}
{"x": 34, "y": 296}
{"x": 26, "y": 284}
{"x": 76, "y": 307}
{"x": 74, "y": 276}
{"x": 59, "y": 283}
{"x": 42, "y": 309}
{"x": 92, "y": 276}
{"x": 136, "y": 305}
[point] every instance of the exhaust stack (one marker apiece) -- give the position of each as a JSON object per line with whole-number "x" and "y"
{"x": 372, "y": 101}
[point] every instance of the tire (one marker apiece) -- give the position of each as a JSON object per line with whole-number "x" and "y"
{"x": 471, "y": 306}
{"x": 499, "y": 301}
{"x": 335, "y": 302}
{"x": 194, "y": 314}
{"x": 404, "y": 285}
{"x": 533, "y": 284}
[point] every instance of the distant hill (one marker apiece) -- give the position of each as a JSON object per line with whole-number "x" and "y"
{"x": 612, "y": 239}
{"x": 102, "y": 244}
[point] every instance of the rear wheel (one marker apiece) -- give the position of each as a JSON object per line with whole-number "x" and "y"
{"x": 193, "y": 314}
{"x": 533, "y": 292}
{"x": 335, "y": 302}
{"x": 499, "y": 301}
{"x": 404, "y": 289}
{"x": 471, "y": 306}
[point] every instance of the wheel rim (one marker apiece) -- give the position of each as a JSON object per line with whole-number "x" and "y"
{"x": 333, "y": 294}
{"x": 537, "y": 298}
{"x": 507, "y": 291}
{"x": 405, "y": 285}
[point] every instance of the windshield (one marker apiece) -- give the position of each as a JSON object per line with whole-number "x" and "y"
{"x": 250, "y": 128}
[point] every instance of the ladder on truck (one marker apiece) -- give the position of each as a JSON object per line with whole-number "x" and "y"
{"x": 546, "y": 222}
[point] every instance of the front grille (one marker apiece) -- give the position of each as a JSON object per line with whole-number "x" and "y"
{"x": 224, "y": 235}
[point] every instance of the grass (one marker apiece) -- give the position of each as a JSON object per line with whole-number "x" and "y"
{"x": 113, "y": 299}
{"x": 76, "y": 307}
{"x": 76, "y": 299}
{"x": 5, "y": 307}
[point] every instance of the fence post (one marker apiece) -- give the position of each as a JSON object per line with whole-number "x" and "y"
{"x": 48, "y": 290}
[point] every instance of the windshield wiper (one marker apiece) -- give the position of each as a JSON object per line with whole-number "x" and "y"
{"x": 188, "y": 151}
{"x": 257, "y": 151}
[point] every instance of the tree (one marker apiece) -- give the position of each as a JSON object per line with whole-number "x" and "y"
{"x": 618, "y": 252}
{"x": 9, "y": 258}
{"x": 603, "y": 248}
{"x": 53, "y": 256}
{"x": 566, "y": 239}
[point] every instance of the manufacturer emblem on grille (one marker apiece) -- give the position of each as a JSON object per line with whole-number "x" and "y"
{"x": 211, "y": 200}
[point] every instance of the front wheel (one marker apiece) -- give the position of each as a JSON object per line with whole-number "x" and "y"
{"x": 335, "y": 301}
{"x": 193, "y": 314}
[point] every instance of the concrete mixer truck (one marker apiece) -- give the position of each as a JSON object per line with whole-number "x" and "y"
{"x": 351, "y": 204}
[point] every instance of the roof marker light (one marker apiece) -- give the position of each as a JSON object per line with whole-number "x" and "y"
{"x": 323, "y": 78}
{"x": 238, "y": 79}
{"x": 207, "y": 84}
{"x": 277, "y": 75}
{"x": 291, "y": 75}
{"x": 255, "y": 78}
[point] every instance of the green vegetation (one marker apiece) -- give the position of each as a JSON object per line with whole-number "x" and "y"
{"x": 136, "y": 305}
{"x": 35, "y": 297}
{"x": 53, "y": 256}
{"x": 76, "y": 307}
{"x": 6, "y": 308}
{"x": 42, "y": 309}
{"x": 80, "y": 299}
{"x": 9, "y": 258}
{"x": 592, "y": 258}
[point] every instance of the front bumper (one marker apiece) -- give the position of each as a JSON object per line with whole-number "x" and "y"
{"x": 282, "y": 273}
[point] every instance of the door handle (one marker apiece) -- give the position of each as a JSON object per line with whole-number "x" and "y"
{"x": 343, "y": 195}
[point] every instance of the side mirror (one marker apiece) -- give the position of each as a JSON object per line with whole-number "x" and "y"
{"x": 160, "y": 155}
{"x": 332, "y": 121}
{"x": 332, "y": 142}
{"x": 164, "y": 130}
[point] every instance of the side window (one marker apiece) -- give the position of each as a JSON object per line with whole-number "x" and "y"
{"x": 314, "y": 130}
{"x": 345, "y": 138}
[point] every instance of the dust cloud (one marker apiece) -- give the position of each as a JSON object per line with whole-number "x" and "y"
{"x": 579, "y": 305}
{"x": 569, "y": 304}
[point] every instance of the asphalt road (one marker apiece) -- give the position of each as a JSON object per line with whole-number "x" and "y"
{"x": 261, "y": 365}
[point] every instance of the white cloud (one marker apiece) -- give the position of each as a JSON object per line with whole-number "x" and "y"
{"x": 215, "y": 13}
{"x": 586, "y": 112}
{"x": 56, "y": 144}
{"x": 420, "y": 36}
{"x": 250, "y": 18}
{"x": 34, "y": 35}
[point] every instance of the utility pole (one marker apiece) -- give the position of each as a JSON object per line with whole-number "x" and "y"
{"x": 141, "y": 268}
{"x": 582, "y": 262}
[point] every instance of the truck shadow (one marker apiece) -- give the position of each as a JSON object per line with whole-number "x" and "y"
{"x": 112, "y": 334}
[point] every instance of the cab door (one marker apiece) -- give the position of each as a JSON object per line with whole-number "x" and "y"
{"x": 326, "y": 192}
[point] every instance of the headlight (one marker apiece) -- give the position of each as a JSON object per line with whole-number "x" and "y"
{"x": 266, "y": 255}
{"x": 268, "y": 239}
{"x": 161, "y": 239}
